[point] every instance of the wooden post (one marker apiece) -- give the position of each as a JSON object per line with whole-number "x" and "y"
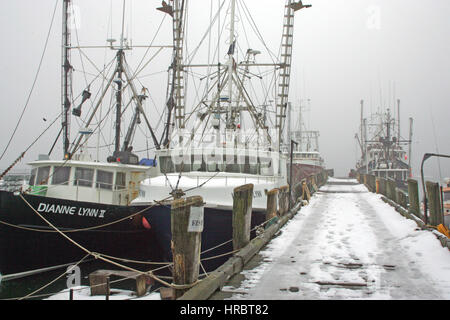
{"x": 242, "y": 214}
{"x": 373, "y": 183}
{"x": 390, "y": 190}
{"x": 283, "y": 200}
{"x": 401, "y": 198}
{"x": 413, "y": 195}
{"x": 377, "y": 185}
{"x": 383, "y": 183}
{"x": 187, "y": 227}
{"x": 271, "y": 211}
{"x": 305, "y": 191}
{"x": 434, "y": 201}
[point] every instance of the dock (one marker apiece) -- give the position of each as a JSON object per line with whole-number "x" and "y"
{"x": 347, "y": 243}
{"x": 338, "y": 238}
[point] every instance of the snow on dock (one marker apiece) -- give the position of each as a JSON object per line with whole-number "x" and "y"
{"x": 348, "y": 244}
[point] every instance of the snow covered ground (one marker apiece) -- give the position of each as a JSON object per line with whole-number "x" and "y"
{"x": 84, "y": 293}
{"x": 349, "y": 244}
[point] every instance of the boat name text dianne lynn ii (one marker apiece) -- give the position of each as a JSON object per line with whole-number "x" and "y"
{"x": 63, "y": 209}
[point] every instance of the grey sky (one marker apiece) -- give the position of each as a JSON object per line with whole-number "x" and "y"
{"x": 344, "y": 51}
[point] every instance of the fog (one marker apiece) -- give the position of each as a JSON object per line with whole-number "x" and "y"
{"x": 344, "y": 51}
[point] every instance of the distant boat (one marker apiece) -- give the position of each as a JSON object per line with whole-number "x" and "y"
{"x": 382, "y": 147}
{"x": 306, "y": 158}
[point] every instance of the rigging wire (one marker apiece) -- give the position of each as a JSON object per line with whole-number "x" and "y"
{"x": 34, "y": 81}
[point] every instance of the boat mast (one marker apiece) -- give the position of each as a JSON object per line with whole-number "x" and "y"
{"x": 119, "y": 82}
{"x": 398, "y": 120}
{"x": 230, "y": 117}
{"x": 178, "y": 84}
{"x": 66, "y": 77}
{"x": 286, "y": 58}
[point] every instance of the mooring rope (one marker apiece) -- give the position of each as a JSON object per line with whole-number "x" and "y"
{"x": 95, "y": 254}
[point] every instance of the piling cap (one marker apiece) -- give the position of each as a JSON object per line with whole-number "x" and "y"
{"x": 189, "y": 201}
{"x": 243, "y": 187}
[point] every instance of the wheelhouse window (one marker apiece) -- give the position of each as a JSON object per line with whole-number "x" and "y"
{"x": 32, "y": 177}
{"x": 266, "y": 167}
{"x": 61, "y": 175}
{"x": 166, "y": 164}
{"x": 120, "y": 181}
{"x": 42, "y": 175}
{"x": 84, "y": 177}
{"x": 198, "y": 163}
{"x": 232, "y": 164}
{"x": 447, "y": 196}
{"x": 104, "y": 180}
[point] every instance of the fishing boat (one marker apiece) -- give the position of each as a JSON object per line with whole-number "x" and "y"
{"x": 225, "y": 139}
{"x": 382, "y": 147}
{"x": 306, "y": 158}
{"x": 79, "y": 204}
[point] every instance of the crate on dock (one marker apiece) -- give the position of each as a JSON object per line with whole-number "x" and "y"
{"x": 98, "y": 281}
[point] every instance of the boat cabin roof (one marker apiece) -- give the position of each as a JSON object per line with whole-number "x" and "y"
{"x": 114, "y": 166}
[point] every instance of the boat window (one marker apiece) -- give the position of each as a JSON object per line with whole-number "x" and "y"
{"x": 266, "y": 166}
{"x": 250, "y": 166}
{"x": 61, "y": 175}
{"x": 447, "y": 196}
{"x": 32, "y": 177}
{"x": 166, "y": 164}
{"x": 214, "y": 163}
{"x": 83, "y": 177}
{"x": 183, "y": 167}
{"x": 104, "y": 180}
{"x": 198, "y": 164}
{"x": 120, "y": 180}
{"x": 42, "y": 175}
{"x": 231, "y": 164}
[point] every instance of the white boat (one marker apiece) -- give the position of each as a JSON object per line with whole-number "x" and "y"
{"x": 224, "y": 140}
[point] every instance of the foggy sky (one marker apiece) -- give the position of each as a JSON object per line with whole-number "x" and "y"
{"x": 344, "y": 51}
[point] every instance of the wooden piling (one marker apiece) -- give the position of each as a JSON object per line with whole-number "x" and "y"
{"x": 283, "y": 200}
{"x": 391, "y": 189}
{"x": 306, "y": 195}
{"x": 383, "y": 184}
{"x": 242, "y": 213}
{"x": 372, "y": 183}
{"x": 187, "y": 227}
{"x": 271, "y": 211}
{"x": 434, "y": 203}
{"x": 413, "y": 195}
{"x": 402, "y": 198}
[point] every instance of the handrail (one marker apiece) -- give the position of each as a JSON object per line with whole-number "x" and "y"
{"x": 425, "y": 157}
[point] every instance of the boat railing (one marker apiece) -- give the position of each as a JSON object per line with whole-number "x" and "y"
{"x": 101, "y": 187}
{"x": 201, "y": 179}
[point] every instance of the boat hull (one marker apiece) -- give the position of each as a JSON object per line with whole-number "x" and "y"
{"x": 300, "y": 171}
{"x": 27, "y": 242}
